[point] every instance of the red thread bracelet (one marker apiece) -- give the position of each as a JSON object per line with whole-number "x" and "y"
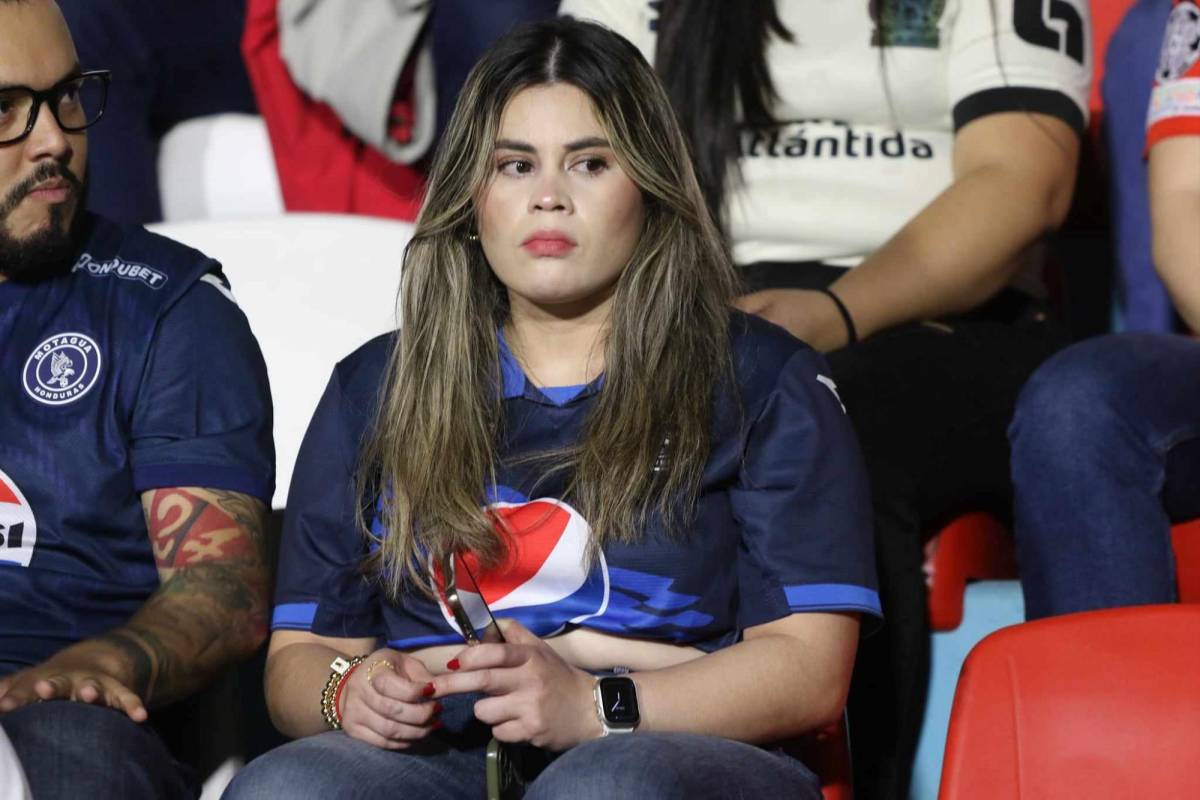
{"x": 337, "y": 693}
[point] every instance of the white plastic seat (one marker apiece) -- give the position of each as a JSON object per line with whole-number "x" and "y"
{"x": 314, "y": 287}
{"x": 218, "y": 167}
{"x": 12, "y": 777}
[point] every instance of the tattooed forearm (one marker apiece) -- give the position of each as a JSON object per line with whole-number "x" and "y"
{"x": 191, "y": 526}
{"x": 139, "y": 662}
{"x": 250, "y": 515}
{"x": 212, "y": 606}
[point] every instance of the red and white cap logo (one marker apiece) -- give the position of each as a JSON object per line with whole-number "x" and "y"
{"x": 18, "y": 527}
{"x": 544, "y": 582}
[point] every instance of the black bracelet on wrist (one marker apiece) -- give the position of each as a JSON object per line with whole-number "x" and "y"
{"x": 851, "y": 332}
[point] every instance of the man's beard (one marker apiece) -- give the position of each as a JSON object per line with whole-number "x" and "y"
{"x": 48, "y": 252}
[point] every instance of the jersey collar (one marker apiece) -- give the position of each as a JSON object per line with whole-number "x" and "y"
{"x": 514, "y": 383}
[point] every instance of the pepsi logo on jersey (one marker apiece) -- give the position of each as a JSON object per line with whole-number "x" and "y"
{"x": 18, "y": 526}
{"x": 543, "y": 582}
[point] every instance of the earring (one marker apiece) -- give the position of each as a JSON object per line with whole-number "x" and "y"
{"x": 472, "y": 237}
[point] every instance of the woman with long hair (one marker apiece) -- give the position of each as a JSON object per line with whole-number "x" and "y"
{"x": 886, "y": 172}
{"x": 659, "y": 497}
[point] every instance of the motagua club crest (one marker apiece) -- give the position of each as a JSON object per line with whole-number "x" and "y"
{"x": 18, "y": 526}
{"x": 62, "y": 369}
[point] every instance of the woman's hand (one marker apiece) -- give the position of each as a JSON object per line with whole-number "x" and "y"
{"x": 388, "y": 701}
{"x": 808, "y": 315}
{"x": 534, "y": 695}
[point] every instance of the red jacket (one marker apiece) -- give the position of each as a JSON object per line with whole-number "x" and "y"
{"x": 321, "y": 165}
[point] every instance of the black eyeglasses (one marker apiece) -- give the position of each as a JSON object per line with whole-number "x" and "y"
{"x": 76, "y": 102}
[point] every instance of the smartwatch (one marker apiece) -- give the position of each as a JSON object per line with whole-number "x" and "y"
{"x": 617, "y": 705}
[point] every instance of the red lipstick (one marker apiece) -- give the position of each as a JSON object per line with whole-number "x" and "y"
{"x": 548, "y": 244}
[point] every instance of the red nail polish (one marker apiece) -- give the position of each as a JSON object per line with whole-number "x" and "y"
{"x": 437, "y": 708}
{"x": 452, "y": 664}
{"x": 428, "y": 690}
{"x": 435, "y": 725}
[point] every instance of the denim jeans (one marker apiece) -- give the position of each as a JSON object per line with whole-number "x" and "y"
{"x": 76, "y": 750}
{"x": 1106, "y": 455}
{"x": 449, "y": 765}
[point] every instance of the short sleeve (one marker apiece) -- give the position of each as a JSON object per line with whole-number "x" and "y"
{"x": 803, "y": 504}
{"x": 321, "y": 586}
{"x": 1175, "y": 101}
{"x": 203, "y": 415}
{"x": 1021, "y": 55}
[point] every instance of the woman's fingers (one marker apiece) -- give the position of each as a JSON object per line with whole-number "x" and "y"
{"x": 421, "y": 713}
{"x": 395, "y": 675}
{"x": 511, "y": 731}
{"x": 499, "y": 710}
{"x": 365, "y": 734}
{"x": 385, "y": 706}
{"x": 393, "y": 729}
{"x": 486, "y": 681}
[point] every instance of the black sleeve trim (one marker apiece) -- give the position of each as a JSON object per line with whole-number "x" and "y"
{"x": 1013, "y": 98}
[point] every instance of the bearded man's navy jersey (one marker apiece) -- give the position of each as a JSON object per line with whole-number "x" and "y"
{"x": 135, "y": 371}
{"x": 782, "y": 524}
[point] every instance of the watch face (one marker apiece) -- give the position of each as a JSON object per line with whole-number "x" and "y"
{"x": 620, "y": 701}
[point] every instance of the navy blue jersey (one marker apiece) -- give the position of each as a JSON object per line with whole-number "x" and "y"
{"x": 782, "y": 525}
{"x": 135, "y": 371}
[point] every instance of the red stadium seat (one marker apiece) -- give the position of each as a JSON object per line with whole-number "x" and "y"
{"x": 1103, "y": 704}
{"x": 972, "y": 547}
{"x": 976, "y": 547}
{"x": 827, "y": 753}
{"x": 1186, "y": 540}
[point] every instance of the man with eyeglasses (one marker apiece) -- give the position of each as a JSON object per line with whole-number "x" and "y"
{"x": 135, "y": 451}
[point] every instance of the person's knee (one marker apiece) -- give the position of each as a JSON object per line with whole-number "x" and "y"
{"x": 76, "y": 730}
{"x": 587, "y": 771}
{"x": 299, "y": 769}
{"x": 1074, "y": 400}
{"x": 672, "y": 765}
{"x": 336, "y": 765}
{"x": 76, "y": 749}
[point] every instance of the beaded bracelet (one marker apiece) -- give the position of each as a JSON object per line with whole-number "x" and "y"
{"x": 332, "y": 693}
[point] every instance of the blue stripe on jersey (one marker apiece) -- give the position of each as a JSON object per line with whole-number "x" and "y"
{"x": 203, "y": 476}
{"x": 818, "y": 596}
{"x": 414, "y": 642}
{"x": 561, "y": 395}
{"x": 294, "y": 615}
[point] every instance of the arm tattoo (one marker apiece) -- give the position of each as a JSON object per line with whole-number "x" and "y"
{"x": 188, "y": 529}
{"x": 141, "y": 665}
{"x": 213, "y": 602}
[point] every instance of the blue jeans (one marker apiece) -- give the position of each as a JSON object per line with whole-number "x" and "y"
{"x": 82, "y": 751}
{"x": 1105, "y": 456}
{"x": 450, "y": 766}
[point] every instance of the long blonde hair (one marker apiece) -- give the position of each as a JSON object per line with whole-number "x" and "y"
{"x": 433, "y": 451}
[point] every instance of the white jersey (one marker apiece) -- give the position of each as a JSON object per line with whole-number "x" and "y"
{"x": 865, "y": 134}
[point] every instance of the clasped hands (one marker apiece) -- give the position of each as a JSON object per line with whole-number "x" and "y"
{"x": 532, "y": 694}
